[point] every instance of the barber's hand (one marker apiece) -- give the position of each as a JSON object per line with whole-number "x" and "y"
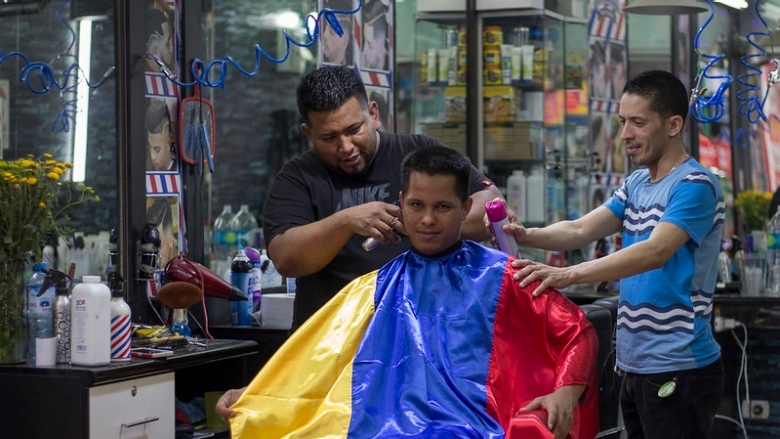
{"x": 550, "y": 277}
{"x": 560, "y": 408}
{"x": 514, "y": 227}
{"x": 225, "y": 402}
{"x": 378, "y": 220}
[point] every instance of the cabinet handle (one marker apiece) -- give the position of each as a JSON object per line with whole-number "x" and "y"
{"x": 137, "y": 423}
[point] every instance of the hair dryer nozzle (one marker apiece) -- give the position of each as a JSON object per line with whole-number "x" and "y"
{"x": 181, "y": 269}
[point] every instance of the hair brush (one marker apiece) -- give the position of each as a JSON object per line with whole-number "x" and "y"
{"x": 179, "y": 296}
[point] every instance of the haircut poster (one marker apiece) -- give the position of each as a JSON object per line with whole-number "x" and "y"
{"x": 363, "y": 40}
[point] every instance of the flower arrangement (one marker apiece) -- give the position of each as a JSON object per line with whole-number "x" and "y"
{"x": 30, "y": 189}
{"x": 754, "y": 208}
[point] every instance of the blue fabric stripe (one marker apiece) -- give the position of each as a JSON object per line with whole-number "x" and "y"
{"x": 401, "y": 350}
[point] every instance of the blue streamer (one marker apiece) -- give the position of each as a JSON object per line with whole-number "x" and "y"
{"x": 751, "y": 105}
{"x": 699, "y": 103}
{"x": 202, "y": 72}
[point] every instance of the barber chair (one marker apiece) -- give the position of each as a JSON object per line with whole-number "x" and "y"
{"x": 603, "y": 320}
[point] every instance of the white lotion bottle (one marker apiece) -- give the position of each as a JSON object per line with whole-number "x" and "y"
{"x": 90, "y": 323}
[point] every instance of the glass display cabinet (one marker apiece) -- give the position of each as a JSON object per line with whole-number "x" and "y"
{"x": 533, "y": 111}
{"x": 440, "y": 77}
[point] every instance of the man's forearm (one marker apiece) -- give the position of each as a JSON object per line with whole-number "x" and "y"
{"x": 305, "y": 250}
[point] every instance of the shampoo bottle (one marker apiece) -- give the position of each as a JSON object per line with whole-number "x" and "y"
{"x": 91, "y": 323}
{"x": 120, "y": 319}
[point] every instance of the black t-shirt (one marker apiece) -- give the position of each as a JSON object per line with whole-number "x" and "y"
{"x": 306, "y": 191}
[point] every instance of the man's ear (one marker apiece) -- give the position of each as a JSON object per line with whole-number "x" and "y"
{"x": 675, "y": 125}
{"x": 467, "y": 207}
{"x": 373, "y": 111}
{"x": 306, "y": 129}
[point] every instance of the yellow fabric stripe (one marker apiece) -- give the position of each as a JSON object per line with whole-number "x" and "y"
{"x": 305, "y": 389}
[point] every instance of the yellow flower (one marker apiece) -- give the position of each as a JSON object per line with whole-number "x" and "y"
{"x": 42, "y": 205}
{"x": 32, "y": 181}
{"x": 51, "y": 162}
{"x": 47, "y": 156}
{"x": 53, "y": 176}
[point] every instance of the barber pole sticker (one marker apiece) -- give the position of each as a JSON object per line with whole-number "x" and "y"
{"x": 162, "y": 183}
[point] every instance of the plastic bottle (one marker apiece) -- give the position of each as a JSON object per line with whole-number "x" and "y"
{"x": 120, "y": 319}
{"x": 240, "y": 277}
{"x": 60, "y": 311}
{"x": 91, "y": 323}
{"x": 40, "y": 319}
{"x": 244, "y": 225}
{"x": 535, "y": 205}
{"x": 256, "y": 284}
{"x": 224, "y": 241}
{"x": 496, "y": 213}
{"x": 773, "y": 255}
{"x": 271, "y": 278}
{"x": 515, "y": 194}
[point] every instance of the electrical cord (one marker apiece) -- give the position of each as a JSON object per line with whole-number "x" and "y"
{"x": 700, "y": 103}
{"x": 751, "y": 106}
{"x": 40, "y": 78}
{"x": 742, "y": 371}
{"x": 202, "y": 72}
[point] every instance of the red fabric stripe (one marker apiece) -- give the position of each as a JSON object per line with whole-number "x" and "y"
{"x": 530, "y": 336}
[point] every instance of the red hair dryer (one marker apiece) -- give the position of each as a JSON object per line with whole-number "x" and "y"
{"x": 181, "y": 269}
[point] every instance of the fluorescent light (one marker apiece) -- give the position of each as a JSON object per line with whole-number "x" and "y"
{"x": 736, "y": 4}
{"x": 82, "y": 102}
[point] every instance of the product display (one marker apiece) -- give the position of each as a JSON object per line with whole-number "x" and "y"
{"x": 496, "y": 213}
{"x": 61, "y": 311}
{"x": 40, "y": 320}
{"x": 121, "y": 320}
{"x": 241, "y": 278}
{"x": 91, "y": 323}
{"x": 224, "y": 241}
{"x": 773, "y": 256}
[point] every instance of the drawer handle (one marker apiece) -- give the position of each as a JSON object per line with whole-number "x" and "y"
{"x": 137, "y": 423}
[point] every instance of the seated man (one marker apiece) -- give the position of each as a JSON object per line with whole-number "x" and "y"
{"x": 439, "y": 342}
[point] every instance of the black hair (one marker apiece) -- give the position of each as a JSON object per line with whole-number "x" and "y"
{"x": 382, "y": 107}
{"x": 667, "y": 94}
{"x": 375, "y": 14}
{"x": 154, "y": 21}
{"x": 438, "y": 160}
{"x": 156, "y": 112}
{"x": 328, "y": 88}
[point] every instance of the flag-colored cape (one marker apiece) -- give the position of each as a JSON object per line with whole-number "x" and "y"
{"x": 427, "y": 348}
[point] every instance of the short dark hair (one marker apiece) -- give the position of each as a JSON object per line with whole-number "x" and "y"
{"x": 328, "y": 88}
{"x": 667, "y": 94}
{"x": 374, "y": 15}
{"x": 156, "y": 112}
{"x": 438, "y": 160}
{"x": 154, "y": 21}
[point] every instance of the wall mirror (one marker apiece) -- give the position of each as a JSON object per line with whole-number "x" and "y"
{"x": 70, "y": 120}
{"x": 257, "y": 122}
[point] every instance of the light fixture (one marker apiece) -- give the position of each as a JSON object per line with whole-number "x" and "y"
{"x": 736, "y": 4}
{"x": 666, "y": 7}
{"x": 18, "y": 7}
{"x": 82, "y": 102}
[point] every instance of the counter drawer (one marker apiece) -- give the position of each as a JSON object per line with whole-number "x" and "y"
{"x": 141, "y": 408}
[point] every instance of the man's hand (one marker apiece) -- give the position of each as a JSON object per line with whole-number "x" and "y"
{"x": 551, "y": 277}
{"x": 515, "y": 228}
{"x": 225, "y": 402}
{"x": 381, "y": 221}
{"x": 560, "y": 408}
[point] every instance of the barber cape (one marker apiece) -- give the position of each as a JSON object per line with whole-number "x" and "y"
{"x": 444, "y": 347}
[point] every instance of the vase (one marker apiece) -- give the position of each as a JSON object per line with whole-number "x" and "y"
{"x": 13, "y": 324}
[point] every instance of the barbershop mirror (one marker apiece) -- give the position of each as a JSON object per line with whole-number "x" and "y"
{"x": 71, "y": 121}
{"x": 257, "y": 122}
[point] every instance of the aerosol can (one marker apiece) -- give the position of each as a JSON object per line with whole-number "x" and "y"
{"x": 61, "y": 310}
